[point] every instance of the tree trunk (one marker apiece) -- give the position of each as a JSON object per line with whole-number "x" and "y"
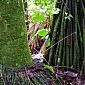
{"x": 14, "y": 50}
{"x": 68, "y": 35}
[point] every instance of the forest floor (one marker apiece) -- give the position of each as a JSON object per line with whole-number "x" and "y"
{"x": 42, "y": 74}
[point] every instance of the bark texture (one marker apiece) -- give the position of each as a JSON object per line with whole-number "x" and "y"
{"x": 67, "y": 35}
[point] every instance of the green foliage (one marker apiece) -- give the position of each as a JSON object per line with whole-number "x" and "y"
{"x": 68, "y": 16}
{"x": 48, "y": 43}
{"x": 42, "y": 32}
{"x": 56, "y": 11}
{"x": 40, "y": 9}
{"x": 38, "y": 18}
{"x": 50, "y": 68}
{"x": 14, "y": 51}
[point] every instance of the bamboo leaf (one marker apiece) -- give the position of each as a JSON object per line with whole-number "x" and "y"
{"x": 50, "y": 68}
{"x": 48, "y": 43}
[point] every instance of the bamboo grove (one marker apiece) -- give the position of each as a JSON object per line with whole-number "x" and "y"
{"x": 67, "y": 35}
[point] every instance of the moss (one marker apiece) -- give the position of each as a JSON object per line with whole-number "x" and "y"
{"x": 13, "y": 46}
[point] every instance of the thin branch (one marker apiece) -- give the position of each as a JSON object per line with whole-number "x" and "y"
{"x": 60, "y": 41}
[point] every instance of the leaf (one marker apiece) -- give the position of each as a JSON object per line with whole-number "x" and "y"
{"x": 38, "y": 18}
{"x": 58, "y": 60}
{"x": 66, "y": 18}
{"x": 56, "y": 11}
{"x": 70, "y": 16}
{"x": 48, "y": 43}
{"x": 66, "y": 13}
{"x": 42, "y": 32}
{"x": 50, "y": 68}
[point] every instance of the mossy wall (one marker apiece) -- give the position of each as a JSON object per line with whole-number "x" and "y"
{"x": 13, "y": 37}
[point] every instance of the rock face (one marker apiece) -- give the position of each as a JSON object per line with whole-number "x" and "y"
{"x": 13, "y": 37}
